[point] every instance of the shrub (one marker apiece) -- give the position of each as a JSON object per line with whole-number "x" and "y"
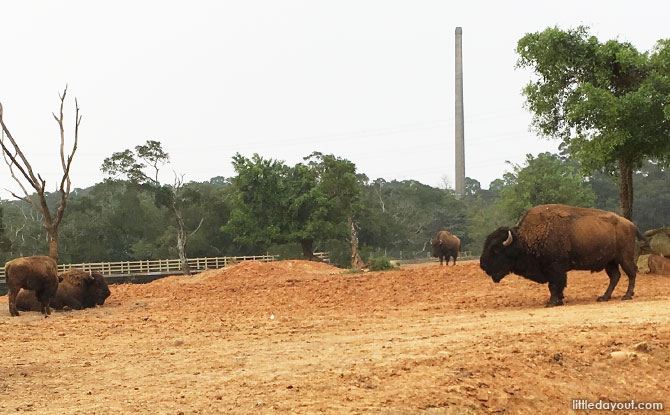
{"x": 381, "y": 263}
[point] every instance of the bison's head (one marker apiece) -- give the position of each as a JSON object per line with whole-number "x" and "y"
{"x": 96, "y": 288}
{"x": 501, "y": 250}
{"x": 437, "y": 247}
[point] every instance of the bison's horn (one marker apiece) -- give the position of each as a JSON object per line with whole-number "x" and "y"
{"x": 509, "y": 239}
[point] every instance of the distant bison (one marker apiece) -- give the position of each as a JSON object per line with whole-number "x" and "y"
{"x": 445, "y": 246}
{"x": 36, "y": 273}
{"x": 79, "y": 289}
{"x": 553, "y": 239}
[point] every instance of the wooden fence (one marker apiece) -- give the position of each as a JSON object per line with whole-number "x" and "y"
{"x": 164, "y": 266}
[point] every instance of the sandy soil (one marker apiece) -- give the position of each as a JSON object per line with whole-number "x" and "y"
{"x": 300, "y": 337}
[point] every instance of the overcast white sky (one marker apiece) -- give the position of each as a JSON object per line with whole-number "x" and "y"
{"x": 369, "y": 81}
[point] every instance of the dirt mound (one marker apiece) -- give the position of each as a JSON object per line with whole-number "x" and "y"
{"x": 247, "y": 271}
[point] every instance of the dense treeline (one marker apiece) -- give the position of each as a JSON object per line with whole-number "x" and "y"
{"x": 606, "y": 101}
{"x": 271, "y": 207}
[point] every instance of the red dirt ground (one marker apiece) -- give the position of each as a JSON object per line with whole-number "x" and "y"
{"x": 433, "y": 340}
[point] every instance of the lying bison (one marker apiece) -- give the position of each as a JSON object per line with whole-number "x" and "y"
{"x": 79, "y": 289}
{"x": 36, "y": 273}
{"x": 446, "y": 245}
{"x": 553, "y": 239}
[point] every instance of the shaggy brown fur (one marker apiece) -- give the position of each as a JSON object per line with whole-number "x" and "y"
{"x": 553, "y": 239}
{"x": 446, "y": 245}
{"x": 79, "y": 289}
{"x": 37, "y": 273}
{"x": 591, "y": 238}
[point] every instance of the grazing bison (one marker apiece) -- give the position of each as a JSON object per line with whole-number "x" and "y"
{"x": 553, "y": 239}
{"x": 79, "y": 289}
{"x": 446, "y": 245}
{"x": 36, "y": 273}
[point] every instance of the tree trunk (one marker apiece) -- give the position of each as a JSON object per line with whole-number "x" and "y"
{"x": 181, "y": 238}
{"x": 181, "y": 246}
{"x": 307, "y": 250}
{"x": 356, "y": 261}
{"x": 626, "y": 190}
{"x": 53, "y": 243}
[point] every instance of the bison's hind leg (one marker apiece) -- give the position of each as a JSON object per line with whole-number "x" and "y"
{"x": 613, "y": 272}
{"x": 631, "y": 271}
{"x": 44, "y": 299}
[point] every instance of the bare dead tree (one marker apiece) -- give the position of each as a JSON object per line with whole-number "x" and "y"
{"x": 15, "y": 159}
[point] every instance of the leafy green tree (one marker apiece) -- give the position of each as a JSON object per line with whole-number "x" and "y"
{"x": 339, "y": 182}
{"x": 275, "y": 203}
{"x": 258, "y": 202}
{"x": 545, "y": 179}
{"x": 114, "y": 221}
{"x": 607, "y": 102}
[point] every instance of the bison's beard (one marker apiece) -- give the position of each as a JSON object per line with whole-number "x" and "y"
{"x": 498, "y": 277}
{"x": 495, "y": 275}
{"x": 496, "y": 272}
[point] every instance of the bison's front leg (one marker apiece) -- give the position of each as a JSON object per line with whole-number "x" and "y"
{"x": 556, "y": 287}
{"x": 12, "y": 302}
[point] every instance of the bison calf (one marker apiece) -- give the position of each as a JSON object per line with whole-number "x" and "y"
{"x": 79, "y": 289}
{"x": 551, "y": 240}
{"x": 445, "y": 246}
{"x": 36, "y": 273}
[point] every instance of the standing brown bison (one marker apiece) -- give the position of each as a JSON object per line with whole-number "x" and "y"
{"x": 37, "y": 273}
{"x": 553, "y": 239}
{"x": 446, "y": 245}
{"x": 79, "y": 289}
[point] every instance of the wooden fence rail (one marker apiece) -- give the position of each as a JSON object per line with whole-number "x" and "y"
{"x": 164, "y": 266}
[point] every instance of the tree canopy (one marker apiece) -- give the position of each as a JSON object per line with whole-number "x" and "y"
{"x": 134, "y": 166}
{"x": 548, "y": 178}
{"x": 607, "y": 102}
{"x": 276, "y": 203}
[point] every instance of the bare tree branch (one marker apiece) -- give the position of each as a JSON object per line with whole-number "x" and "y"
{"x": 25, "y": 168}
{"x": 65, "y": 183}
{"x": 196, "y": 229}
{"x": 26, "y": 198}
{"x": 12, "y": 157}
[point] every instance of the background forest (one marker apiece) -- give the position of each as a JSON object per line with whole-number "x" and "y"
{"x": 269, "y": 207}
{"x": 607, "y": 103}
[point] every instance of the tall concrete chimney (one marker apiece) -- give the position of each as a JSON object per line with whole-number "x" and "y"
{"x": 460, "y": 135}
